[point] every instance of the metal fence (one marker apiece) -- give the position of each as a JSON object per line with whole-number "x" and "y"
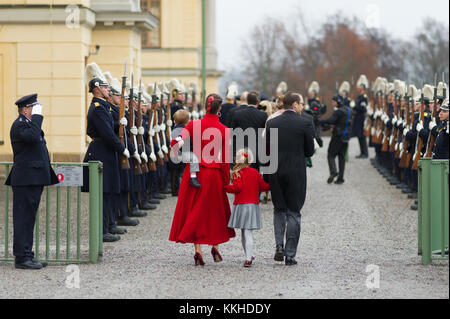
{"x": 433, "y": 236}
{"x": 69, "y": 223}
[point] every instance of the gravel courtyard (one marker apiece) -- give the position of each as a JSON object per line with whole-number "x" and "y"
{"x": 344, "y": 229}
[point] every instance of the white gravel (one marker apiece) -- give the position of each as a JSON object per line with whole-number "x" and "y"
{"x": 344, "y": 230}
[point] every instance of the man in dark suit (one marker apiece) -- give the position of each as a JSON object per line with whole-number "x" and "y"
{"x": 250, "y": 118}
{"x": 240, "y": 106}
{"x": 288, "y": 183}
{"x": 30, "y": 173}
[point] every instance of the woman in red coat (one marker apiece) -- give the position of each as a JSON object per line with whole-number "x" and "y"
{"x": 202, "y": 213}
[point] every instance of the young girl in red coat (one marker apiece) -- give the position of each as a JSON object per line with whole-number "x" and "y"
{"x": 247, "y": 184}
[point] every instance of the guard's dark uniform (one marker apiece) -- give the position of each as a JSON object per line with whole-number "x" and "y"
{"x": 360, "y": 111}
{"x": 30, "y": 173}
{"x": 441, "y": 146}
{"x": 105, "y": 147}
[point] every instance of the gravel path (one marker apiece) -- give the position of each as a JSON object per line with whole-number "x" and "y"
{"x": 344, "y": 229}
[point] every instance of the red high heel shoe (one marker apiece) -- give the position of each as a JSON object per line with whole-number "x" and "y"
{"x": 216, "y": 255}
{"x": 198, "y": 260}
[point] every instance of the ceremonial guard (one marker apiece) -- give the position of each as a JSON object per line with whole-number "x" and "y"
{"x": 31, "y": 171}
{"x": 441, "y": 147}
{"x": 177, "y": 96}
{"x": 360, "y": 111}
{"x": 315, "y": 108}
{"x": 105, "y": 145}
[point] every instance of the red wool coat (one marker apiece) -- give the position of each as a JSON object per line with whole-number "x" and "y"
{"x": 202, "y": 214}
{"x": 247, "y": 187}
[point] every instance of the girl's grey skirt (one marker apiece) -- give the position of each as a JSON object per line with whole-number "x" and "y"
{"x": 245, "y": 216}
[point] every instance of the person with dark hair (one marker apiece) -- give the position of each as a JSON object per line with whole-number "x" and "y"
{"x": 202, "y": 213}
{"x": 30, "y": 173}
{"x": 250, "y": 118}
{"x": 340, "y": 138}
{"x": 288, "y": 183}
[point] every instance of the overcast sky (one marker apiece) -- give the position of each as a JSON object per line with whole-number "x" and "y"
{"x": 401, "y": 18}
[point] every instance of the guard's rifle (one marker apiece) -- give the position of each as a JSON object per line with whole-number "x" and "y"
{"x": 394, "y": 136}
{"x": 419, "y": 141}
{"x": 378, "y": 130}
{"x": 374, "y": 127}
{"x": 162, "y": 138}
{"x": 369, "y": 120}
{"x": 151, "y": 145}
{"x": 140, "y": 138}
{"x": 136, "y": 165}
{"x": 431, "y": 138}
{"x": 124, "y": 163}
{"x": 403, "y": 116}
{"x": 386, "y": 130}
{"x": 156, "y": 138}
{"x": 168, "y": 115}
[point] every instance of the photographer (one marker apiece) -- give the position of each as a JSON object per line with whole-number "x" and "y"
{"x": 339, "y": 140}
{"x": 316, "y": 109}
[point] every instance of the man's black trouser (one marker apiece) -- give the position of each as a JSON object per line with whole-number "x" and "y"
{"x": 337, "y": 148}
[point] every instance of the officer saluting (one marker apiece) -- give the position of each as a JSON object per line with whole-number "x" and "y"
{"x": 30, "y": 173}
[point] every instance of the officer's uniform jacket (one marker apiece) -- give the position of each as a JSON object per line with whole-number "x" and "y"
{"x": 360, "y": 111}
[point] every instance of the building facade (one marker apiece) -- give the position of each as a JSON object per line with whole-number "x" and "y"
{"x": 45, "y": 46}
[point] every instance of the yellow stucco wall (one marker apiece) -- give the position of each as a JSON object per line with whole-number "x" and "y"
{"x": 85, "y": 3}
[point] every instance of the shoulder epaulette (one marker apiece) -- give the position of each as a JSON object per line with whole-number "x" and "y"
{"x": 96, "y": 104}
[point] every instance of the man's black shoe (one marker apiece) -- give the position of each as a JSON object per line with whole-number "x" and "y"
{"x": 117, "y": 230}
{"x": 167, "y": 191}
{"x": 110, "y": 238}
{"x": 412, "y": 196}
{"x": 29, "y": 264}
{"x": 159, "y": 196}
{"x": 416, "y": 202}
{"x": 414, "y": 207}
{"x": 146, "y": 206}
{"x": 332, "y": 177}
{"x": 194, "y": 182}
{"x": 362, "y": 156}
{"x": 137, "y": 213}
{"x": 127, "y": 221}
{"x": 401, "y": 185}
{"x": 407, "y": 191}
{"x": 290, "y": 261}
{"x": 339, "y": 182}
{"x": 43, "y": 263}
{"x": 279, "y": 253}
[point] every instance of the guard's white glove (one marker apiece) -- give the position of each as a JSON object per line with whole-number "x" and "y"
{"x": 202, "y": 113}
{"x": 141, "y": 131}
{"x": 165, "y": 149}
{"x": 399, "y": 122}
{"x": 386, "y": 120}
{"x": 152, "y": 132}
{"x": 126, "y": 153}
{"x": 134, "y": 130}
{"x": 144, "y": 157}
{"x": 160, "y": 154}
{"x": 401, "y": 145}
{"x": 394, "y": 120}
{"x": 316, "y": 146}
{"x": 195, "y": 115}
{"x": 123, "y": 121}
{"x": 153, "y": 157}
{"x": 137, "y": 157}
{"x": 169, "y": 123}
{"x": 157, "y": 128}
{"x": 378, "y": 114}
{"x": 373, "y": 131}
{"x": 391, "y": 139}
{"x": 163, "y": 127}
{"x": 352, "y": 104}
{"x": 397, "y": 146}
{"x": 432, "y": 124}
{"x": 419, "y": 127}
{"x": 37, "y": 109}
{"x": 405, "y": 131}
{"x": 370, "y": 112}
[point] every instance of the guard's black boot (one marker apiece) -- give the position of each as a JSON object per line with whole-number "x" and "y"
{"x": 154, "y": 201}
{"x": 362, "y": 156}
{"x": 127, "y": 221}
{"x": 279, "y": 253}
{"x": 290, "y": 261}
{"x": 146, "y": 206}
{"x": 412, "y": 196}
{"x": 339, "y": 182}
{"x": 414, "y": 207}
{"x": 407, "y": 191}
{"x": 117, "y": 230}
{"x": 167, "y": 190}
{"x": 332, "y": 177}
{"x": 159, "y": 196}
{"x": 136, "y": 213}
{"x": 194, "y": 182}
{"x": 29, "y": 264}
{"x": 401, "y": 186}
{"x": 110, "y": 238}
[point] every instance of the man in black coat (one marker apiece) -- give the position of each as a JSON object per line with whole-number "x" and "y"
{"x": 30, "y": 173}
{"x": 288, "y": 183}
{"x": 339, "y": 140}
{"x": 250, "y": 118}
{"x": 360, "y": 111}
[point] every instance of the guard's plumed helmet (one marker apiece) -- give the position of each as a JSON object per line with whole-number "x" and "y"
{"x": 390, "y": 87}
{"x": 428, "y": 93}
{"x": 412, "y": 91}
{"x": 314, "y": 88}
{"x": 400, "y": 88}
{"x": 94, "y": 77}
{"x": 282, "y": 88}
{"x": 345, "y": 87}
{"x": 115, "y": 87}
{"x": 440, "y": 91}
{"x": 363, "y": 82}
{"x": 233, "y": 91}
{"x": 175, "y": 87}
